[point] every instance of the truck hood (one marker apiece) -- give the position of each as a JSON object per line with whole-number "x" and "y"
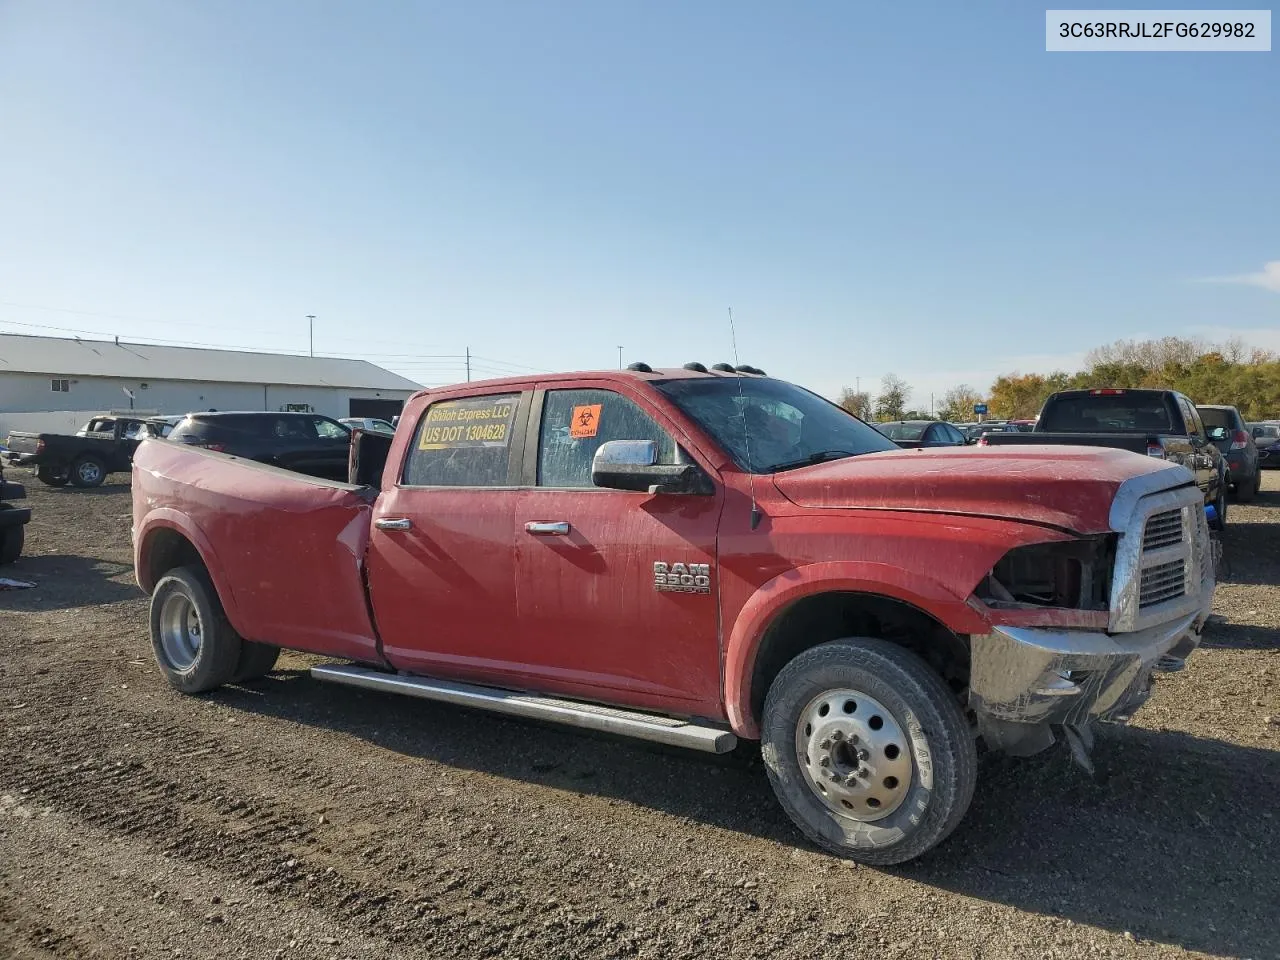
{"x": 1067, "y": 487}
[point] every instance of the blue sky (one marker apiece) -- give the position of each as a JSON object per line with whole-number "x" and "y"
{"x": 917, "y": 189}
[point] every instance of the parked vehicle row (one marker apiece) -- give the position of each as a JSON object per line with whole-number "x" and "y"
{"x": 304, "y": 442}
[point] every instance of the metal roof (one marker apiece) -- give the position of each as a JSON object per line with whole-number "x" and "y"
{"x": 61, "y": 357}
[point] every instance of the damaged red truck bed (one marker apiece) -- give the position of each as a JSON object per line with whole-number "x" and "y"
{"x": 696, "y": 557}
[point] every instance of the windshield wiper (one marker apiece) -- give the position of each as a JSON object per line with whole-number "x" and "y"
{"x": 821, "y": 456}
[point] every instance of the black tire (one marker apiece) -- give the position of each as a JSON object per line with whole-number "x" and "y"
{"x": 943, "y": 755}
{"x": 256, "y": 660}
{"x": 1220, "y": 508}
{"x": 53, "y": 476}
{"x": 88, "y": 471}
{"x": 216, "y": 655}
{"x": 1245, "y": 492}
{"x": 11, "y": 541}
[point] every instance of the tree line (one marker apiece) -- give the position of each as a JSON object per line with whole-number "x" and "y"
{"x": 1227, "y": 373}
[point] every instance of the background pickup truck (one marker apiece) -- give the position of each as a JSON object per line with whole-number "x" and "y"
{"x": 1157, "y": 423}
{"x": 13, "y": 519}
{"x": 694, "y": 558}
{"x": 105, "y": 445}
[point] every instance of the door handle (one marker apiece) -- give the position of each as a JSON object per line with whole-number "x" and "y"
{"x": 548, "y": 528}
{"x": 393, "y": 523}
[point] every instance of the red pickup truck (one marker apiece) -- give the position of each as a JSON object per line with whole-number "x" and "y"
{"x": 694, "y": 557}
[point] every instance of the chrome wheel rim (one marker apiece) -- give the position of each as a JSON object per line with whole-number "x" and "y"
{"x": 854, "y": 755}
{"x": 181, "y": 631}
{"x": 88, "y": 472}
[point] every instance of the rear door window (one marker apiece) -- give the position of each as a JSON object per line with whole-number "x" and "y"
{"x": 574, "y": 425}
{"x": 464, "y": 443}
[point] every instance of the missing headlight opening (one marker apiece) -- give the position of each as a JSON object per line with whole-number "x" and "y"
{"x": 1074, "y": 575}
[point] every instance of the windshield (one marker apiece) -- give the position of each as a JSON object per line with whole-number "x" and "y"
{"x": 781, "y": 424}
{"x": 1108, "y": 413}
{"x": 903, "y": 431}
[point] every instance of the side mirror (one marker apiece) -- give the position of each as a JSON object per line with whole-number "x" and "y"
{"x": 633, "y": 465}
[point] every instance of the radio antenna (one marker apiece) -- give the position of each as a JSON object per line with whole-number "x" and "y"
{"x": 746, "y": 436}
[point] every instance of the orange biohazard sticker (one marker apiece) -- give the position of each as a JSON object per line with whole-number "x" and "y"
{"x": 585, "y": 422}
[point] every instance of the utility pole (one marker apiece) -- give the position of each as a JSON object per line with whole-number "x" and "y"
{"x": 468, "y": 364}
{"x": 311, "y": 328}
{"x": 619, "y": 356}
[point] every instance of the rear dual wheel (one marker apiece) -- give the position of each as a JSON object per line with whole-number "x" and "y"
{"x": 868, "y": 750}
{"x": 195, "y": 646}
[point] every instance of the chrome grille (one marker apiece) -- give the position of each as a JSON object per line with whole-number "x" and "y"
{"x": 1163, "y": 530}
{"x": 1162, "y": 582}
{"x": 1164, "y": 557}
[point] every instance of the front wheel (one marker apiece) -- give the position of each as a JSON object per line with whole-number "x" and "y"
{"x": 868, "y": 750}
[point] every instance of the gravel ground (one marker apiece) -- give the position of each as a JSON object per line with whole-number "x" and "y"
{"x": 292, "y": 819}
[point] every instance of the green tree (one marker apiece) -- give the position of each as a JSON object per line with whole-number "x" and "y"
{"x": 957, "y": 404}
{"x": 856, "y": 402}
{"x": 892, "y": 399}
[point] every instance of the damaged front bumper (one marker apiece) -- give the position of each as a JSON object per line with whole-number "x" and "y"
{"x": 1025, "y": 680}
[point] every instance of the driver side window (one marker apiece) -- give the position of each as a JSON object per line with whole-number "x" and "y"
{"x": 574, "y": 425}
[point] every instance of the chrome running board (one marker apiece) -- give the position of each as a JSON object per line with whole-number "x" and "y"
{"x": 642, "y": 726}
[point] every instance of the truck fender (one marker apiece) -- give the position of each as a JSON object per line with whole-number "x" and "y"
{"x": 852, "y": 576}
{"x": 169, "y": 519}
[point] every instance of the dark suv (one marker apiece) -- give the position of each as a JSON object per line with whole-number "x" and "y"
{"x": 302, "y": 442}
{"x": 1230, "y": 434}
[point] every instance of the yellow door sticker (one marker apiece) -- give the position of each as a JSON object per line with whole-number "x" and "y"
{"x": 586, "y": 421}
{"x": 472, "y": 422}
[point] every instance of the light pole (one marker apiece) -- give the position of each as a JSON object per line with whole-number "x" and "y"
{"x": 311, "y": 330}
{"x": 619, "y": 356}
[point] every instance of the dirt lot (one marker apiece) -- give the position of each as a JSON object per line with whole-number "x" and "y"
{"x": 292, "y": 819}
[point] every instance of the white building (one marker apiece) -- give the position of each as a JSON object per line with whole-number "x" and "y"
{"x": 46, "y": 374}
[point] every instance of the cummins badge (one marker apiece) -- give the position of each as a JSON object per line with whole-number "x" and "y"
{"x": 682, "y": 577}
